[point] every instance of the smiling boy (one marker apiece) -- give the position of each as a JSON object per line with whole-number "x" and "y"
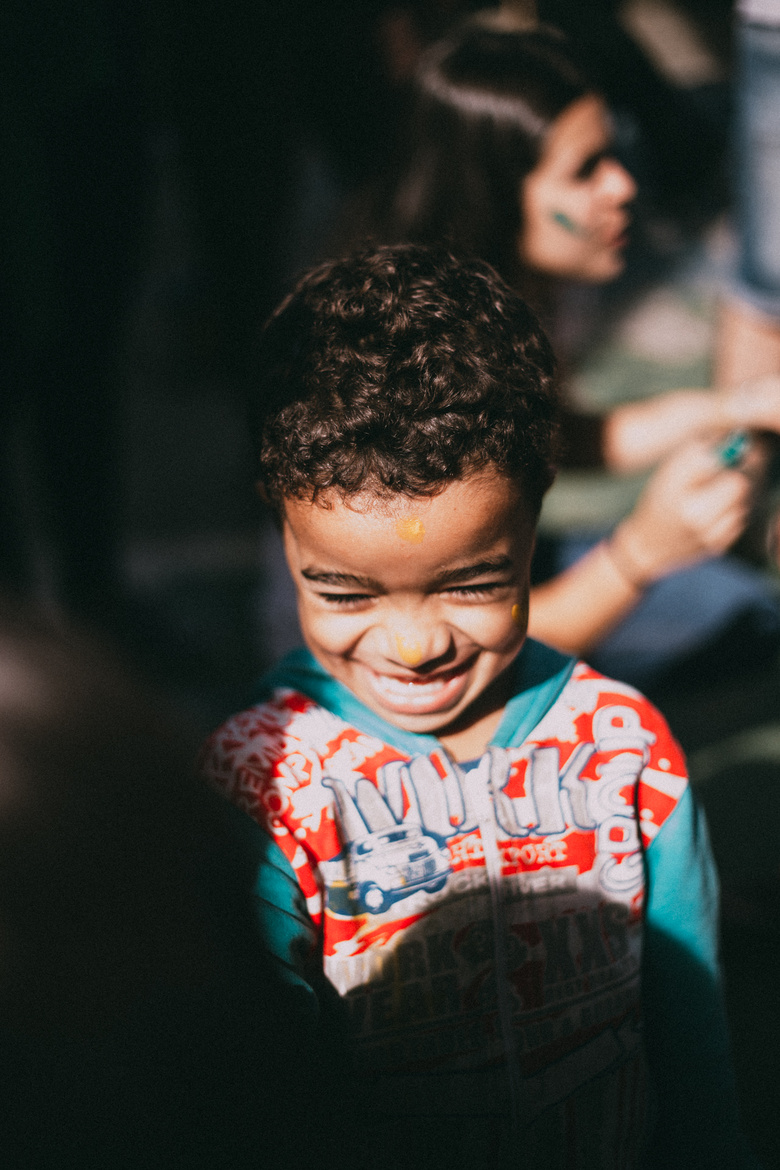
{"x": 424, "y": 607}
{"x": 498, "y": 861}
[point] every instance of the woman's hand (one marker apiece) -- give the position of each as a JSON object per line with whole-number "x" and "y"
{"x": 638, "y": 434}
{"x": 692, "y": 508}
{"x": 754, "y": 404}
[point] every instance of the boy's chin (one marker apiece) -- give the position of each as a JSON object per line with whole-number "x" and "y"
{"x": 428, "y": 724}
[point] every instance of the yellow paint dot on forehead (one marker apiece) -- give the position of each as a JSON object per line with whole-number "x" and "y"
{"x": 517, "y": 614}
{"x": 410, "y": 528}
{"x": 408, "y": 652}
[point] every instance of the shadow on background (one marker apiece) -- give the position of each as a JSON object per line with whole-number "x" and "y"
{"x": 143, "y": 1023}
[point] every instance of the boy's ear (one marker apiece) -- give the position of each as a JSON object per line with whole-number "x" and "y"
{"x": 552, "y": 471}
{"x": 276, "y": 513}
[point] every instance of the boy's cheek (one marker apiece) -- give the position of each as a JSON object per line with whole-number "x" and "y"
{"x": 333, "y": 631}
{"x": 498, "y": 628}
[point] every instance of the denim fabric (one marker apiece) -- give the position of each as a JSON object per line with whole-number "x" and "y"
{"x": 757, "y": 166}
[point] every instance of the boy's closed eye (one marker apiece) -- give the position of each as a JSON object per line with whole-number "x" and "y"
{"x": 462, "y": 583}
{"x": 478, "y": 590}
{"x": 346, "y": 599}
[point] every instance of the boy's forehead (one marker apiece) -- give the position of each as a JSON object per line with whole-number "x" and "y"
{"x": 478, "y": 509}
{"x": 382, "y": 504}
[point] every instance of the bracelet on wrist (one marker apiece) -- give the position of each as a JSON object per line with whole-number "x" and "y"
{"x": 630, "y": 573}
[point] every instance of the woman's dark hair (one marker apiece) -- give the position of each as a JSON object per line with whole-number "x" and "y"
{"x": 399, "y": 369}
{"x": 485, "y": 98}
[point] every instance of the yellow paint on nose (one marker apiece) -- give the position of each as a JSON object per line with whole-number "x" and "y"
{"x": 410, "y": 528}
{"x": 409, "y": 652}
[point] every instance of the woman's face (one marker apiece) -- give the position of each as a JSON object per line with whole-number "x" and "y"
{"x": 575, "y": 201}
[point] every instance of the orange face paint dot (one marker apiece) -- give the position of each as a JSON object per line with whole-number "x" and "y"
{"x": 408, "y": 652}
{"x": 410, "y": 528}
{"x": 517, "y": 615}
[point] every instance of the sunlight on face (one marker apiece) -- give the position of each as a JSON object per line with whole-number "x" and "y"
{"x": 574, "y": 202}
{"x": 417, "y": 631}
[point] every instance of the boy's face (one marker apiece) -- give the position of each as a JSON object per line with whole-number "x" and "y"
{"x": 415, "y": 604}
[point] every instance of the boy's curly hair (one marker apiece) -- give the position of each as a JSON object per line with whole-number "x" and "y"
{"x": 399, "y": 369}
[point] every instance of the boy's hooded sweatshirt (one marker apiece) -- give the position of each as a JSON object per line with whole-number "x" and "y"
{"x": 521, "y": 937}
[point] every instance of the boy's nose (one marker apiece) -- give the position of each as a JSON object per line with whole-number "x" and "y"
{"x": 417, "y": 644}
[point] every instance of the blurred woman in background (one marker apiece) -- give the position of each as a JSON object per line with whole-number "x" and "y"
{"x": 510, "y": 156}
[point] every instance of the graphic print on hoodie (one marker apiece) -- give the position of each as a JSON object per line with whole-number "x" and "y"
{"x": 483, "y": 921}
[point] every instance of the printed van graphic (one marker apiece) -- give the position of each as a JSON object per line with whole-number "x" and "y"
{"x": 385, "y": 860}
{"x": 390, "y": 865}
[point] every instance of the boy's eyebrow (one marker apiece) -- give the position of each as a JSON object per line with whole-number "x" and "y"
{"x": 324, "y": 577}
{"x": 446, "y": 577}
{"x": 478, "y": 569}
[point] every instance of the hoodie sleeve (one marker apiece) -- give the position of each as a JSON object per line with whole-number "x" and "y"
{"x": 283, "y": 919}
{"x": 686, "y": 1034}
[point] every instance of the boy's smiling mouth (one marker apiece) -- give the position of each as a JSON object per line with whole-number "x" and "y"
{"x": 419, "y": 694}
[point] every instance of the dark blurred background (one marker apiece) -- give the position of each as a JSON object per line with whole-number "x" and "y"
{"x": 167, "y": 171}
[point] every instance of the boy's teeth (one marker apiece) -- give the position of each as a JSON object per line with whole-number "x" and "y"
{"x": 398, "y": 686}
